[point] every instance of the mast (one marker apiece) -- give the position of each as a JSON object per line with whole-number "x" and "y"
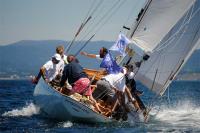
{"x": 135, "y": 26}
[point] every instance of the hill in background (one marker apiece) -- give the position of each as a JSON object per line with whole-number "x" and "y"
{"x": 26, "y": 57}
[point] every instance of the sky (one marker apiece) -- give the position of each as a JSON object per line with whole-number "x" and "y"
{"x": 60, "y": 19}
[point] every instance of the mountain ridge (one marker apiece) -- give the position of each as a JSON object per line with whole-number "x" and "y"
{"x": 27, "y": 56}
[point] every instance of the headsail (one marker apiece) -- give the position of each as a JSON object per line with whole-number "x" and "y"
{"x": 175, "y": 46}
{"x": 158, "y": 19}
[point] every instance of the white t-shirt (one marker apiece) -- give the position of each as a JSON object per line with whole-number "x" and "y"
{"x": 117, "y": 81}
{"x": 52, "y": 69}
{"x": 65, "y": 59}
{"x": 98, "y": 57}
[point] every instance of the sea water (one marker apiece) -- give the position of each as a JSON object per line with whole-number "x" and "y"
{"x": 177, "y": 111}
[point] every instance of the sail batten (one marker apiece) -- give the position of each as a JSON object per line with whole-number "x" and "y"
{"x": 173, "y": 48}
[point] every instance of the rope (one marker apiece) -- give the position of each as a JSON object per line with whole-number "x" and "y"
{"x": 97, "y": 6}
{"x": 168, "y": 98}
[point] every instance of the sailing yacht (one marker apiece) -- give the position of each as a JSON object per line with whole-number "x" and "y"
{"x": 167, "y": 31}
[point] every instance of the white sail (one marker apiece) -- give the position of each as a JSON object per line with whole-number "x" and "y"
{"x": 157, "y": 21}
{"x": 172, "y": 52}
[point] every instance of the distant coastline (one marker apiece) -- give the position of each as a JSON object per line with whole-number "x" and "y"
{"x": 22, "y": 59}
{"x": 1, "y": 78}
{"x": 180, "y": 77}
{"x": 15, "y": 77}
{"x": 188, "y": 77}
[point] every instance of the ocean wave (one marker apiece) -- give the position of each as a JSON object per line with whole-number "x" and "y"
{"x": 28, "y": 110}
{"x": 67, "y": 124}
{"x": 184, "y": 113}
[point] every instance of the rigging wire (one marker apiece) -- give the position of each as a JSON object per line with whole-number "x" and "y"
{"x": 157, "y": 98}
{"x": 77, "y": 33}
{"x": 86, "y": 20}
{"x": 110, "y": 12}
{"x": 95, "y": 9}
{"x": 101, "y": 19}
{"x": 88, "y": 13}
{"x": 99, "y": 9}
{"x": 84, "y": 45}
{"x": 110, "y": 16}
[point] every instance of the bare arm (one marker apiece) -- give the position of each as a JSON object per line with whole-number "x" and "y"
{"x": 128, "y": 93}
{"x": 88, "y": 55}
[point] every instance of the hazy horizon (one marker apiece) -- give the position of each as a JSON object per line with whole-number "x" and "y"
{"x": 198, "y": 47}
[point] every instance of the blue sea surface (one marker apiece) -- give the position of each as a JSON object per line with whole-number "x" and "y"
{"x": 177, "y": 111}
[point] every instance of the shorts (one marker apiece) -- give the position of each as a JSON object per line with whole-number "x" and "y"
{"x": 103, "y": 89}
{"x": 81, "y": 85}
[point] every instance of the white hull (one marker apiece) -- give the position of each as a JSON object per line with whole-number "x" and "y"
{"x": 62, "y": 107}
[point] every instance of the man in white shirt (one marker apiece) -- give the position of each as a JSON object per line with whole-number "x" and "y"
{"x": 50, "y": 69}
{"x": 53, "y": 67}
{"x": 113, "y": 88}
{"x": 112, "y": 83}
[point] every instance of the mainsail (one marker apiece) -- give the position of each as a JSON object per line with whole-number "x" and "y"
{"x": 158, "y": 18}
{"x": 170, "y": 30}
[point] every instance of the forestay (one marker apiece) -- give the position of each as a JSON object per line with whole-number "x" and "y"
{"x": 175, "y": 44}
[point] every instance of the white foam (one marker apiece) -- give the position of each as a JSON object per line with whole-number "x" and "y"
{"x": 183, "y": 113}
{"x": 28, "y": 110}
{"x": 67, "y": 124}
